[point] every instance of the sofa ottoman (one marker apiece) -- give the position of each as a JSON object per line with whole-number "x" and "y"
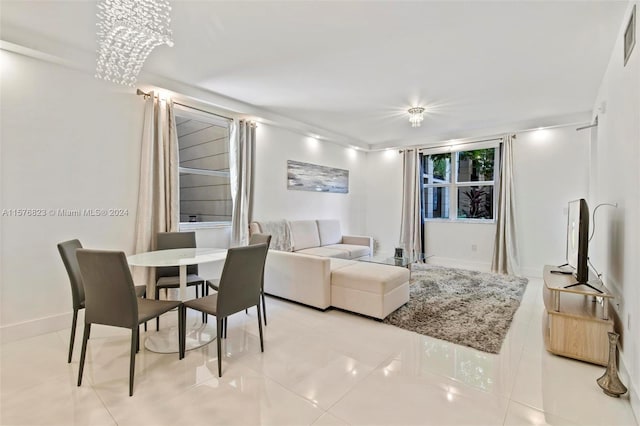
{"x": 370, "y": 289}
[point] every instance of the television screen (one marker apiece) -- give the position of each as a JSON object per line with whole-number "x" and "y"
{"x": 578, "y": 239}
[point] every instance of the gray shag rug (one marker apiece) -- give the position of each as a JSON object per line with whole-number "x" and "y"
{"x": 469, "y": 308}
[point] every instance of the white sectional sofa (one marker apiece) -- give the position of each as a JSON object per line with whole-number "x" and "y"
{"x": 309, "y": 273}
{"x": 324, "y": 238}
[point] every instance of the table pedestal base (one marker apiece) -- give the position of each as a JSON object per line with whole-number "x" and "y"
{"x": 165, "y": 341}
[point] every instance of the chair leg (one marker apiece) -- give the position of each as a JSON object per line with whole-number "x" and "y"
{"x": 204, "y": 315}
{"x": 157, "y": 318}
{"x": 226, "y": 323}
{"x": 264, "y": 309}
{"x": 144, "y": 296}
{"x": 85, "y": 338}
{"x": 219, "y": 344}
{"x": 181, "y": 332}
{"x": 260, "y": 327}
{"x": 132, "y": 362}
{"x": 138, "y": 338}
{"x": 73, "y": 334}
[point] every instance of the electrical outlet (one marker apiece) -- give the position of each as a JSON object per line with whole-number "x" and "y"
{"x": 474, "y": 247}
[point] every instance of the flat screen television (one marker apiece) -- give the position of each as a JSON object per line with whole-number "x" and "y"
{"x": 578, "y": 239}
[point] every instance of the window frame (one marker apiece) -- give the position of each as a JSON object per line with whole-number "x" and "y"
{"x": 216, "y": 120}
{"x": 453, "y": 185}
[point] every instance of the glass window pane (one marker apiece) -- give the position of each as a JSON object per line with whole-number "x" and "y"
{"x": 436, "y": 202}
{"x": 204, "y": 198}
{"x": 203, "y": 144}
{"x": 475, "y": 202}
{"x": 476, "y": 165}
{"x": 437, "y": 168}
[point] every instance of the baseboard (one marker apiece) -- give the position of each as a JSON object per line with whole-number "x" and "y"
{"x": 634, "y": 398}
{"x": 31, "y": 328}
{"x": 533, "y": 272}
{"x": 460, "y": 263}
{"x": 635, "y": 401}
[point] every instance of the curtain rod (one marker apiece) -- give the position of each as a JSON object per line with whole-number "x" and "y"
{"x": 595, "y": 124}
{"x": 456, "y": 144}
{"x": 146, "y": 95}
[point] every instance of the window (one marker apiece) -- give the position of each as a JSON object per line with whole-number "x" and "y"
{"x": 205, "y": 190}
{"x": 460, "y": 185}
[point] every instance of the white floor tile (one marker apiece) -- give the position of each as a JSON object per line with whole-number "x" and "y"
{"x": 321, "y": 368}
{"x": 384, "y": 398}
{"x": 56, "y": 401}
{"x": 328, "y": 419}
{"x": 521, "y": 415}
{"x": 240, "y": 397}
{"x": 568, "y": 388}
{"x": 26, "y": 363}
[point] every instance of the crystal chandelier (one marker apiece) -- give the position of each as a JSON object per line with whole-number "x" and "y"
{"x": 128, "y": 30}
{"x": 416, "y": 116}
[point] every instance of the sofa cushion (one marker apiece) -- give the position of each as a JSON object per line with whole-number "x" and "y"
{"x": 325, "y": 252}
{"x": 304, "y": 234}
{"x": 329, "y": 231}
{"x": 336, "y": 263}
{"x": 353, "y": 250}
{"x": 370, "y": 277}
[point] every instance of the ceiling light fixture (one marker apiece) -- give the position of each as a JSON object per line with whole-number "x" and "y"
{"x": 128, "y": 30}
{"x": 416, "y": 116}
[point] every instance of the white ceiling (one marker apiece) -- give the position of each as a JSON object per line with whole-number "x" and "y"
{"x": 355, "y": 67}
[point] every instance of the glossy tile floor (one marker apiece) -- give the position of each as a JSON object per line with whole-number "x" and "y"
{"x": 318, "y": 368}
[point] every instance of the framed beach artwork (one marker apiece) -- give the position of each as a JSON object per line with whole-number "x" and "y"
{"x": 312, "y": 177}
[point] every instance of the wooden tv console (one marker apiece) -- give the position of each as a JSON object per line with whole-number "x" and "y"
{"x": 575, "y": 323}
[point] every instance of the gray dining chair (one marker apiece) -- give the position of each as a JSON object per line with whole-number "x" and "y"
{"x": 169, "y": 276}
{"x": 239, "y": 289}
{"x": 67, "y": 250}
{"x": 110, "y": 299}
{"x": 256, "y": 238}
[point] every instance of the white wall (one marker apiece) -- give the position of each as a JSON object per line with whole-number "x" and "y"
{"x": 384, "y": 199}
{"x": 614, "y": 249}
{"x": 550, "y": 170}
{"x": 68, "y": 142}
{"x": 273, "y": 201}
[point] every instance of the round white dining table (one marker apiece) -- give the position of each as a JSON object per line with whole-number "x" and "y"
{"x": 197, "y": 334}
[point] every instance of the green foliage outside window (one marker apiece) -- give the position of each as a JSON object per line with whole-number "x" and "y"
{"x": 482, "y": 163}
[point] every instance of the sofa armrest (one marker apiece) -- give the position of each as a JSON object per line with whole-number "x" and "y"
{"x": 299, "y": 277}
{"x": 358, "y": 240}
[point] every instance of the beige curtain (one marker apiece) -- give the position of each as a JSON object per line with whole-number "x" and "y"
{"x": 241, "y": 168}
{"x": 158, "y": 196}
{"x": 505, "y": 251}
{"x": 411, "y": 224}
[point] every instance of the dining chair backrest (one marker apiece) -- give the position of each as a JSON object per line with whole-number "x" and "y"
{"x": 175, "y": 240}
{"x": 109, "y": 289}
{"x": 67, "y": 251}
{"x": 241, "y": 279}
{"x": 257, "y": 238}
